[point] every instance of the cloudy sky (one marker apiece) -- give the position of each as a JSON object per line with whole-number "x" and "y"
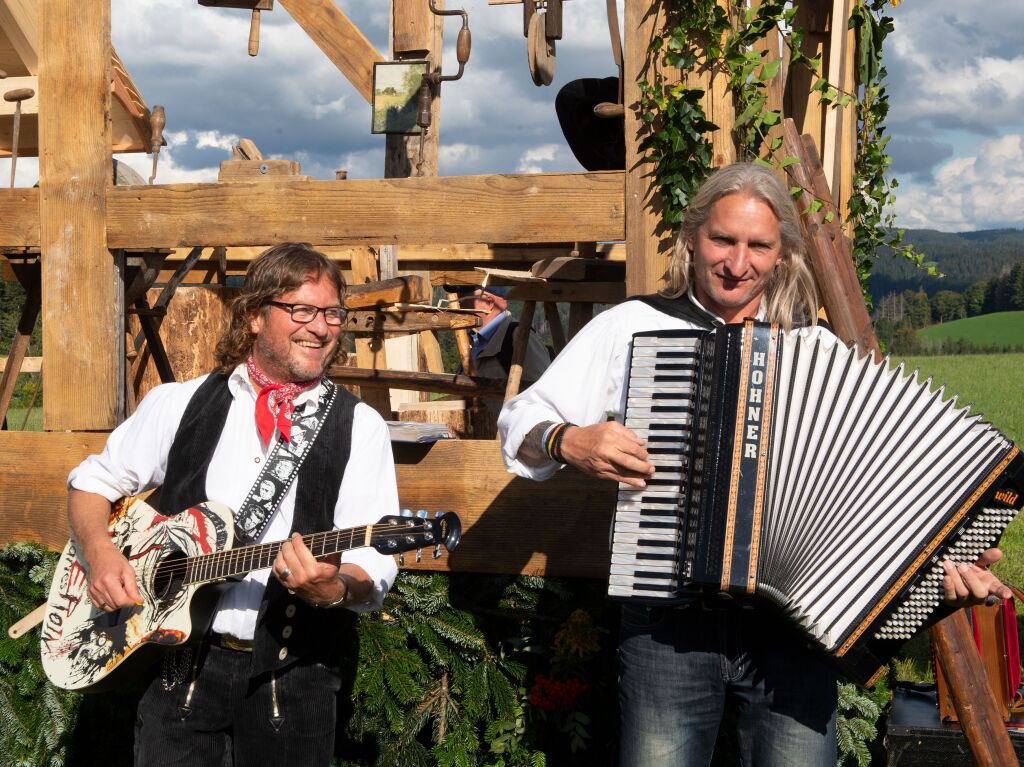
{"x": 955, "y": 83}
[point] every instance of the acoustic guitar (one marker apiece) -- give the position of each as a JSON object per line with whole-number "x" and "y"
{"x": 179, "y": 560}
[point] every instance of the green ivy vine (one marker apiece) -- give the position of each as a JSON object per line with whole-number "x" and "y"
{"x": 702, "y": 34}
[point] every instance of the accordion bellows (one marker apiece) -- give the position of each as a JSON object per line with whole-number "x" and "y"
{"x": 797, "y": 471}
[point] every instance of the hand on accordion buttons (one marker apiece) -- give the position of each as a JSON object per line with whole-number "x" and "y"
{"x": 609, "y": 451}
{"x": 974, "y": 584}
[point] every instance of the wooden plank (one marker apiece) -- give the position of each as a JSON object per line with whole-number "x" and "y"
{"x": 507, "y": 521}
{"x": 259, "y": 170}
{"x": 410, "y": 289}
{"x": 578, "y": 269}
{"x": 648, "y": 242}
{"x": 340, "y": 40}
{"x": 83, "y": 324}
{"x": 976, "y": 707}
{"x": 375, "y": 323}
{"x": 412, "y": 29}
{"x": 827, "y": 247}
{"x": 28, "y": 364}
{"x": 370, "y": 351}
{"x": 339, "y": 216}
{"x": 411, "y": 380}
{"x": 33, "y": 486}
{"x": 495, "y": 208}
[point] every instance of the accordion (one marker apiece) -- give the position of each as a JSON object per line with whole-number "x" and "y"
{"x": 793, "y": 470}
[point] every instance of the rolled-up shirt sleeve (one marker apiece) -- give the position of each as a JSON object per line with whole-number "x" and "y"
{"x": 368, "y": 492}
{"x": 582, "y": 386}
{"x": 135, "y": 457}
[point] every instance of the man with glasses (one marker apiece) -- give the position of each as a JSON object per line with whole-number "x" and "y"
{"x": 261, "y": 688}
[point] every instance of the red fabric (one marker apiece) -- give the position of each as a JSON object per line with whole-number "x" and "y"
{"x": 275, "y": 402}
{"x": 1012, "y": 644}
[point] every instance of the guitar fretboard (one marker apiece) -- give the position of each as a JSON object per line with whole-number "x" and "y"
{"x": 234, "y": 562}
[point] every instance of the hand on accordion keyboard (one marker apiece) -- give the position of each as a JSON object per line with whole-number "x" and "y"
{"x": 609, "y": 451}
{"x": 974, "y": 584}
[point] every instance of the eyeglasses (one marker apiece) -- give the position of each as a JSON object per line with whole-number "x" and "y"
{"x": 305, "y": 313}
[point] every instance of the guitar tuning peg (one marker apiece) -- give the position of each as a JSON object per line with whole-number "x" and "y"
{"x": 419, "y": 555}
{"x": 405, "y": 513}
{"x": 422, "y": 514}
{"x": 401, "y": 559}
{"x": 437, "y": 552}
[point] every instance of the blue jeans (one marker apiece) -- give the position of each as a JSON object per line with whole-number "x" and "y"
{"x": 681, "y": 667}
{"x": 223, "y": 720}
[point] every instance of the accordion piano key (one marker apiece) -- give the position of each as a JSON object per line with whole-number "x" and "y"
{"x": 829, "y": 483}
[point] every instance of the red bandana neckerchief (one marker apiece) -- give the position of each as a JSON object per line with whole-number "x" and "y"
{"x": 275, "y": 402}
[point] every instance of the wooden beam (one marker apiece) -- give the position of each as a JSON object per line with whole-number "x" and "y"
{"x": 407, "y": 290}
{"x": 20, "y": 22}
{"x": 508, "y": 209}
{"x": 376, "y": 323}
{"x": 28, "y": 364}
{"x": 83, "y": 321}
{"x": 507, "y": 523}
{"x": 339, "y": 39}
{"x": 976, "y": 707}
{"x": 33, "y": 506}
{"x": 648, "y": 240}
{"x": 444, "y": 383}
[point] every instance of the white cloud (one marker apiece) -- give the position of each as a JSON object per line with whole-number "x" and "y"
{"x": 532, "y": 160}
{"x": 981, "y": 191}
{"x": 211, "y": 139}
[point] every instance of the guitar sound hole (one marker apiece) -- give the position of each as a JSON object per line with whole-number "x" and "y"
{"x": 169, "y": 576}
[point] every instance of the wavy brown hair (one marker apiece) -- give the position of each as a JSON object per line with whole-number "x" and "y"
{"x": 790, "y": 294}
{"x": 273, "y": 273}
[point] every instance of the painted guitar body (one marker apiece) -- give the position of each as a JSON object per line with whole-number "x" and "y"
{"x": 81, "y": 644}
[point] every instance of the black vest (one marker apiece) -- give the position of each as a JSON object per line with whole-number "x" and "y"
{"x": 287, "y": 627}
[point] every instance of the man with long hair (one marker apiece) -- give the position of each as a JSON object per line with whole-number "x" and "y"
{"x": 268, "y": 435}
{"x": 739, "y": 254}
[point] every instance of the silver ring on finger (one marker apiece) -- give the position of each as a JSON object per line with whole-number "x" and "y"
{"x": 285, "y": 574}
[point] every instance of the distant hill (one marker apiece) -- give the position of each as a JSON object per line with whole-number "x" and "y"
{"x": 963, "y": 258}
{"x": 1001, "y": 329}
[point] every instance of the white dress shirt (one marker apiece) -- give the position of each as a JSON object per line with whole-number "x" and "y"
{"x": 135, "y": 460}
{"x": 584, "y": 384}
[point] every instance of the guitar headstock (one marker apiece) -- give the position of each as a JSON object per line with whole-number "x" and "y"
{"x": 398, "y": 534}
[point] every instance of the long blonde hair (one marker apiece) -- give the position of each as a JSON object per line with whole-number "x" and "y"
{"x": 790, "y": 294}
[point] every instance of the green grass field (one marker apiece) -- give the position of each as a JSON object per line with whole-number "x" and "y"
{"x": 15, "y": 417}
{"x": 994, "y": 385}
{"x": 1002, "y": 328}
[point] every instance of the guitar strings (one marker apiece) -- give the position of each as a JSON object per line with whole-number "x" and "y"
{"x": 258, "y": 551}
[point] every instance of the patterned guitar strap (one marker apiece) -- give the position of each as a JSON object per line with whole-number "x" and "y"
{"x": 281, "y": 469}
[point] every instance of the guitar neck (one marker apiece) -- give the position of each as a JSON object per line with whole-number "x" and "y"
{"x": 240, "y": 561}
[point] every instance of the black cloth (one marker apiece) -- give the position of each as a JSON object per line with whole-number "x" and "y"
{"x": 312, "y": 631}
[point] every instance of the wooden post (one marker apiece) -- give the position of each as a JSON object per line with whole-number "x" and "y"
{"x": 416, "y": 33}
{"x": 648, "y": 241}
{"x": 370, "y": 351}
{"x": 519, "y": 346}
{"x": 83, "y": 318}
{"x": 976, "y": 707}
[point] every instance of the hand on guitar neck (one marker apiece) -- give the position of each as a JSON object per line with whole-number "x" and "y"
{"x": 319, "y": 582}
{"x": 112, "y": 579}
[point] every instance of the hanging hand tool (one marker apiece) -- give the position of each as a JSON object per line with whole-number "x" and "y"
{"x": 433, "y": 80}
{"x": 16, "y": 96}
{"x": 254, "y": 23}
{"x": 157, "y": 120}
